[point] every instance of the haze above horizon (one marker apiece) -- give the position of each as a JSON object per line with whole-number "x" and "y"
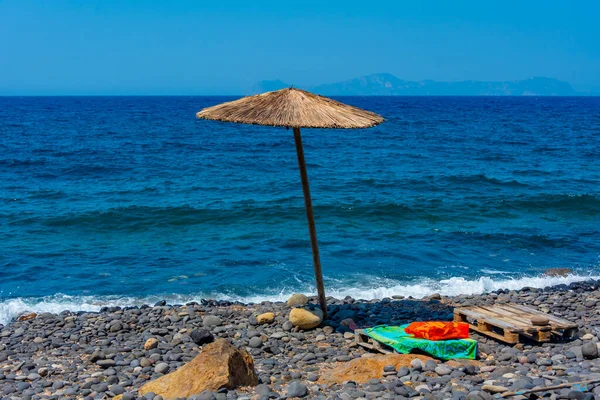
{"x": 188, "y": 47}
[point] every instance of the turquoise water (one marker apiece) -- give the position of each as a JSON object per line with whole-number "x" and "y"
{"x": 126, "y": 199}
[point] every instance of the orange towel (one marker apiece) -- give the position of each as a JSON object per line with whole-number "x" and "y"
{"x": 437, "y": 330}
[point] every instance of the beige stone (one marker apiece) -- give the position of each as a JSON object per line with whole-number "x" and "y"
{"x": 540, "y": 320}
{"x": 305, "y": 318}
{"x": 219, "y": 365}
{"x": 494, "y": 389}
{"x": 297, "y": 300}
{"x": 462, "y": 362}
{"x": 587, "y": 336}
{"x": 265, "y": 318}
{"x": 150, "y": 344}
{"x": 361, "y": 370}
{"x": 27, "y": 316}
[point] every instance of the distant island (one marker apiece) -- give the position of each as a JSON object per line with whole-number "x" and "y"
{"x": 385, "y": 84}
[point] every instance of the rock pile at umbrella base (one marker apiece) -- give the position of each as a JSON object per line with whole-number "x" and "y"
{"x": 219, "y": 365}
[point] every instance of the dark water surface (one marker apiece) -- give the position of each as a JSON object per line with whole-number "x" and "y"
{"x": 132, "y": 197}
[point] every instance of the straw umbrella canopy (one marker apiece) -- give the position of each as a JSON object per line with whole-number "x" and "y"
{"x": 295, "y": 108}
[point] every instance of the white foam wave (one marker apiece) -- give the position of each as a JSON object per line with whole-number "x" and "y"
{"x": 373, "y": 288}
{"x": 494, "y": 272}
{"x": 457, "y": 285}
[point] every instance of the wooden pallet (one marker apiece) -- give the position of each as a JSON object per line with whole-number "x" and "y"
{"x": 511, "y": 322}
{"x": 364, "y": 340}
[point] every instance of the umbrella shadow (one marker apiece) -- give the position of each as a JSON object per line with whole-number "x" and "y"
{"x": 366, "y": 314}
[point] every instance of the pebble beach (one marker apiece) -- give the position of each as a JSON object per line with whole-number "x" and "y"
{"x": 114, "y": 352}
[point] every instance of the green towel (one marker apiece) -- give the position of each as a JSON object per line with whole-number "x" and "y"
{"x": 402, "y": 342}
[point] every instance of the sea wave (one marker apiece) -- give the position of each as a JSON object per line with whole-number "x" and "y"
{"x": 587, "y": 203}
{"x": 373, "y": 288}
{"x": 134, "y": 218}
{"x": 139, "y": 218}
{"x": 15, "y": 162}
{"x": 482, "y": 179}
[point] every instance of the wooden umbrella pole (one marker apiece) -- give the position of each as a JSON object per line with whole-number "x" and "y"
{"x": 311, "y": 222}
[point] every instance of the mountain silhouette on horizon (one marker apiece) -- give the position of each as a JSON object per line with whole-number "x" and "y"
{"x": 385, "y": 84}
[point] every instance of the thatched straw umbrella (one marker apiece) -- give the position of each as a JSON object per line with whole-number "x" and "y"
{"x": 294, "y": 108}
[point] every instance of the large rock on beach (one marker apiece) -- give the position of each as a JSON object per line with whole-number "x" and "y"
{"x": 219, "y": 365}
{"x": 305, "y": 318}
{"x": 297, "y": 300}
{"x": 362, "y": 370}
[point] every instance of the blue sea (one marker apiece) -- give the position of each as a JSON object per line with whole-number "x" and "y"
{"x": 128, "y": 200}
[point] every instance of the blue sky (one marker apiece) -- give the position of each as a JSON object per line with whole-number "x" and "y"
{"x": 224, "y": 47}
